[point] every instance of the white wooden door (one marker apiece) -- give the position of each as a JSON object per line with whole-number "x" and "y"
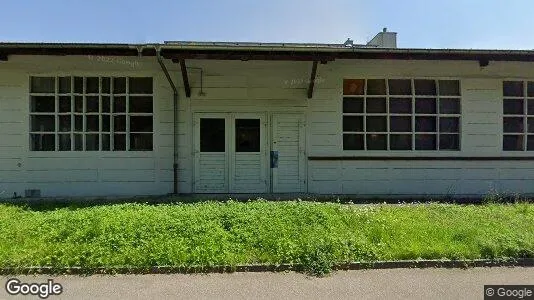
{"x": 288, "y": 153}
{"x": 211, "y": 153}
{"x": 230, "y": 153}
{"x": 248, "y": 154}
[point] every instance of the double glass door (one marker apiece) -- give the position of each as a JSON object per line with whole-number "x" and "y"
{"x": 230, "y": 153}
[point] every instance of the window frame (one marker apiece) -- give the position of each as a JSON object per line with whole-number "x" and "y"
{"x": 84, "y": 113}
{"x": 412, "y": 115}
{"x": 525, "y": 116}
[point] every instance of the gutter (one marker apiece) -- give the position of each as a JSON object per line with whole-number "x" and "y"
{"x": 174, "y": 121}
{"x": 267, "y": 47}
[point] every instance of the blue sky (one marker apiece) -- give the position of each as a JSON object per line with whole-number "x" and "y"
{"x": 489, "y": 24}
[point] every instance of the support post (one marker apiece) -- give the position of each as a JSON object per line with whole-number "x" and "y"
{"x": 312, "y": 79}
{"x": 187, "y": 87}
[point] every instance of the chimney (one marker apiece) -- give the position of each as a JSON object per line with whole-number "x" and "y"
{"x": 384, "y": 39}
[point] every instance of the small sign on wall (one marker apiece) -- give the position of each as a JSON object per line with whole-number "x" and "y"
{"x": 274, "y": 159}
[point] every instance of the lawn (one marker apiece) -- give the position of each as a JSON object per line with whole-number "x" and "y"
{"x": 313, "y": 235}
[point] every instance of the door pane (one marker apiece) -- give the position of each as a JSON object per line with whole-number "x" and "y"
{"x": 247, "y": 135}
{"x": 212, "y": 137}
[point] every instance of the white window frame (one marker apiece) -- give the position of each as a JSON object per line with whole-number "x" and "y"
{"x": 84, "y": 113}
{"x": 413, "y": 115}
{"x": 525, "y": 115}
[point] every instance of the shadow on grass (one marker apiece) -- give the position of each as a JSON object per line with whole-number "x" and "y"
{"x": 48, "y": 204}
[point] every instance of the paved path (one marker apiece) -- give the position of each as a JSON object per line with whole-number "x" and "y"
{"x": 364, "y": 284}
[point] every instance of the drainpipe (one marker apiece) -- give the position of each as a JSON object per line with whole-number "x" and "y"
{"x": 174, "y": 121}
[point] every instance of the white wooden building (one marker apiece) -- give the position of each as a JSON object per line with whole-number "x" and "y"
{"x": 362, "y": 120}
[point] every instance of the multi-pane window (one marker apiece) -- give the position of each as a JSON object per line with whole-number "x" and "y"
{"x": 71, "y": 113}
{"x": 401, "y": 114}
{"x": 518, "y": 115}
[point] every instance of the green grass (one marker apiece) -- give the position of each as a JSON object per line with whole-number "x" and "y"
{"x": 314, "y": 235}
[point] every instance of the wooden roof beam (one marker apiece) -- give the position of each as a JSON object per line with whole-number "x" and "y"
{"x": 312, "y": 79}
{"x": 185, "y": 78}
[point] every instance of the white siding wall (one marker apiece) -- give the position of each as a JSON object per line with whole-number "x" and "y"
{"x": 481, "y": 135}
{"x": 257, "y": 86}
{"x": 83, "y": 173}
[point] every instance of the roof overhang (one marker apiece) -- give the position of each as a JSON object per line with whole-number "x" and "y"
{"x": 258, "y": 51}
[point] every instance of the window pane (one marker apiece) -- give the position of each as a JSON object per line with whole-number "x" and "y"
{"x": 530, "y": 110}
{"x": 45, "y": 123}
{"x": 91, "y": 104}
{"x": 140, "y": 123}
{"x": 449, "y": 124}
{"x": 64, "y": 85}
{"x": 530, "y": 142}
{"x": 43, "y": 104}
{"x": 141, "y": 142}
{"x": 512, "y": 143}
{"x": 92, "y": 123}
{"x": 64, "y": 142}
{"x": 400, "y": 142}
{"x": 140, "y": 104}
{"x": 400, "y": 105}
{"x": 119, "y": 85}
{"x": 530, "y": 89}
{"x": 376, "y": 124}
{"x": 106, "y": 85}
{"x": 43, "y": 85}
{"x": 376, "y": 87}
{"x": 449, "y": 106}
{"x": 425, "y": 124}
{"x": 78, "y": 104}
{"x": 400, "y": 86}
{"x": 78, "y": 142}
{"x": 106, "y": 142}
{"x": 449, "y": 142}
{"x": 449, "y": 87}
{"x": 106, "y": 104}
{"x": 425, "y": 105}
{"x": 247, "y": 135}
{"x": 119, "y": 142}
{"x": 64, "y": 123}
{"x": 43, "y": 142}
{"x": 512, "y": 88}
{"x": 376, "y": 141}
{"x": 425, "y": 142}
{"x": 106, "y": 124}
{"x": 352, "y": 123}
{"x": 425, "y": 87}
{"x": 119, "y": 123}
{"x": 212, "y": 135}
{"x": 375, "y": 105}
{"x": 512, "y": 106}
{"x": 530, "y": 125}
{"x": 140, "y": 85}
{"x": 353, "y": 142}
{"x": 513, "y": 124}
{"x": 119, "y": 104}
{"x": 78, "y": 123}
{"x": 353, "y": 86}
{"x": 92, "y": 85}
{"x": 400, "y": 124}
{"x": 92, "y": 142}
{"x": 78, "y": 85}
{"x": 64, "y": 104}
{"x": 352, "y": 105}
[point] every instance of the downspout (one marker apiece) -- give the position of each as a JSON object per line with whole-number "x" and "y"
{"x": 174, "y": 121}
